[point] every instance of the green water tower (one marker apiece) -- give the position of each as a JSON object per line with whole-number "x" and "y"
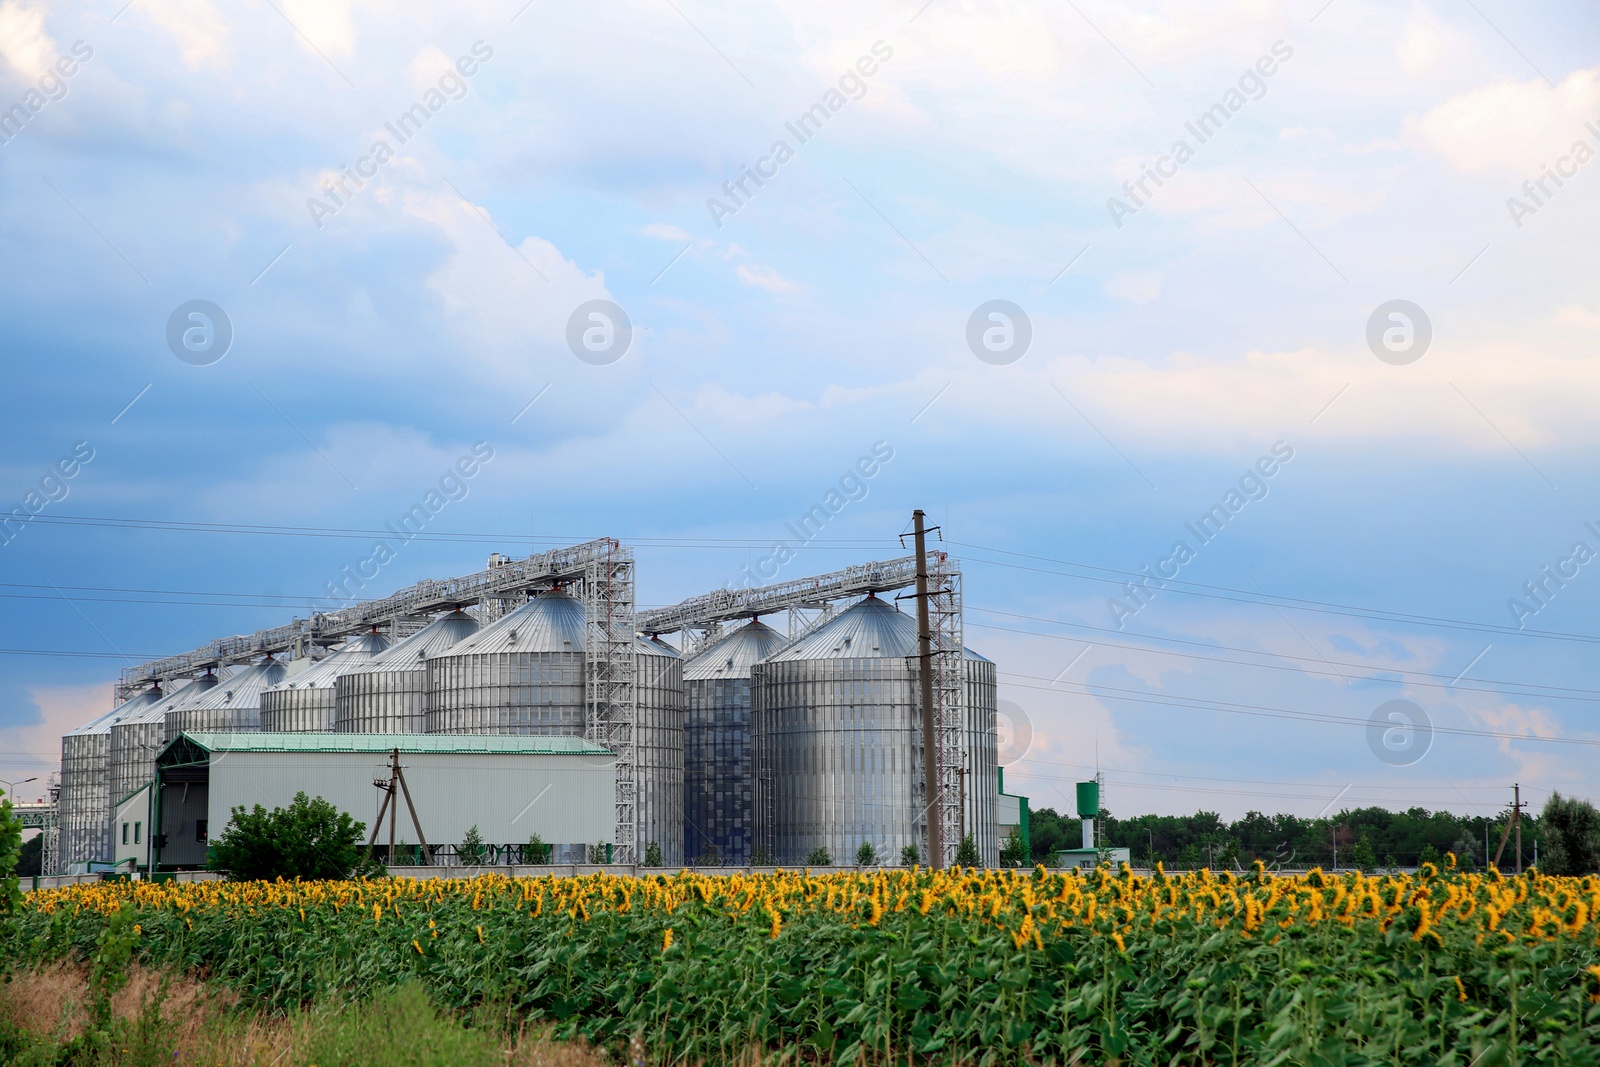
{"x": 1088, "y": 800}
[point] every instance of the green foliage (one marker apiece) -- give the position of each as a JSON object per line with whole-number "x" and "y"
{"x": 1013, "y": 853}
{"x": 310, "y": 839}
{"x": 1290, "y": 841}
{"x": 10, "y": 853}
{"x": 400, "y": 1027}
{"x": 761, "y": 857}
{"x": 599, "y": 853}
{"x": 652, "y": 854}
{"x": 710, "y": 855}
{"x": 471, "y": 852}
{"x": 1572, "y": 836}
{"x": 909, "y": 856}
{"x": 967, "y": 853}
{"x": 819, "y": 857}
{"x": 1364, "y": 857}
{"x": 108, "y": 967}
{"x": 945, "y": 987}
{"x": 32, "y": 859}
{"x": 536, "y": 851}
{"x": 866, "y": 855}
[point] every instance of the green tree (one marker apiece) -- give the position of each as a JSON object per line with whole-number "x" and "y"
{"x": 652, "y": 854}
{"x": 761, "y": 857}
{"x": 10, "y": 853}
{"x": 1364, "y": 858}
{"x": 866, "y": 855}
{"x": 536, "y": 851}
{"x": 310, "y": 839}
{"x": 32, "y": 861}
{"x": 909, "y": 856}
{"x": 710, "y": 855}
{"x": 967, "y": 853}
{"x": 818, "y": 857}
{"x": 471, "y": 852}
{"x": 1571, "y": 836}
{"x": 1013, "y": 853}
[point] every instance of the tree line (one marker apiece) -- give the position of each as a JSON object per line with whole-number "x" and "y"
{"x": 1564, "y": 837}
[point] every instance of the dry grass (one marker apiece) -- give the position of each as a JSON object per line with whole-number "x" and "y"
{"x": 202, "y": 1025}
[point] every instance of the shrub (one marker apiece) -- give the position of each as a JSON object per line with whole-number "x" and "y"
{"x": 310, "y": 839}
{"x": 471, "y": 852}
{"x": 909, "y": 856}
{"x": 866, "y": 855}
{"x": 1013, "y": 853}
{"x": 536, "y": 851}
{"x": 10, "y": 853}
{"x": 652, "y": 854}
{"x": 967, "y": 853}
{"x": 1572, "y": 836}
{"x": 819, "y": 857}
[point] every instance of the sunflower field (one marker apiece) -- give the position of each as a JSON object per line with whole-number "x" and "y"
{"x": 908, "y": 965}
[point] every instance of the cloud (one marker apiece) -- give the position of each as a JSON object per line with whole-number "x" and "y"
{"x": 61, "y": 708}
{"x": 1135, "y": 287}
{"x": 24, "y": 44}
{"x": 1514, "y": 126}
{"x": 665, "y": 232}
{"x": 765, "y": 278}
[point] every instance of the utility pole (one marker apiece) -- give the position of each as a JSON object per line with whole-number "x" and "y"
{"x": 1515, "y": 823}
{"x": 391, "y": 807}
{"x": 930, "y": 748}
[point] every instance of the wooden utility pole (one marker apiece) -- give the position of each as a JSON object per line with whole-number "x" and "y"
{"x": 391, "y": 807}
{"x": 1516, "y": 822}
{"x": 930, "y": 747}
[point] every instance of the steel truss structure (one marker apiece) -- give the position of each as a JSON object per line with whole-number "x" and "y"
{"x": 46, "y": 818}
{"x": 606, "y": 588}
{"x": 505, "y": 579}
{"x": 599, "y": 572}
{"x": 700, "y": 619}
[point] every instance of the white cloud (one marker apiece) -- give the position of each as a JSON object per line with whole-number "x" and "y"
{"x": 765, "y": 278}
{"x": 1136, "y": 287}
{"x": 665, "y": 232}
{"x": 24, "y": 44}
{"x": 1516, "y": 126}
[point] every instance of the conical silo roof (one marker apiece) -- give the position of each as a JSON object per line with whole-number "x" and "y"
{"x": 654, "y": 646}
{"x": 732, "y": 655}
{"x": 870, "y": 629}
{"x": 233, "y": 704}
{"x": 121, "y": 713}
{"x": 322, "y": 674}
{"x": 550, "y": 622}
{"x": 156, "y": 710}
{"x": 408, "y": 654}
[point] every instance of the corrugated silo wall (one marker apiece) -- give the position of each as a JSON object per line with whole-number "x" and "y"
{"x": 983, "y": 785}
{"x": 839, "y": 748}
{"x": 658, "y": 755}
{"x": 382, "y": 702}
{"x": 837, "y": 758}
{"x": 716, "y": 770}
{"x": 297, "y": 711}
{"x": 85, "y": 798}
{"x": 134, "y": 746}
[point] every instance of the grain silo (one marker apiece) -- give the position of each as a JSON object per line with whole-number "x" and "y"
{"x": 521, "y": 675}
{"x": 716, "y": 745}
{"x": 303, "y": 703}
{"x": 137, "y": 738}
{"x": 836, "y": 731}
{"x": 388, "y": 693}
{"x": 232, "y": 706}
{"x": 86, "y": 796}
{"x": 658, "y": 749}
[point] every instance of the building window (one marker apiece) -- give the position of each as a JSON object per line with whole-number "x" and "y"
{"x": 136, "y": 828}
{"x": 124, "y": 833}
{"x": 200, "y": 830}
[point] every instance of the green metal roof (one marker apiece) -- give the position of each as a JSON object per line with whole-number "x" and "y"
{"x": 451, "y": 744}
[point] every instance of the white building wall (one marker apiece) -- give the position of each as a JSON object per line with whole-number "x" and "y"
{"x": 566, "y": 799}
{"x": 130, "y": 829}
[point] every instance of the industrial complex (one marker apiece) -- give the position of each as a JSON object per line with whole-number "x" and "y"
{"x": 533, "y": 701}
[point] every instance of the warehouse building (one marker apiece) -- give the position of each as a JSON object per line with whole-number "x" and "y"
{"x": 508, "y": 787}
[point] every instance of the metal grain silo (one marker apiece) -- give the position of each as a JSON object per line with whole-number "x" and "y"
{"x": 521, "y": 675}
{"x": 388, "y": 694}
{"x": 137, "y": 738}
{"x": 85, "y": 799}
{"x": 717, "y": 786}
{"x": 658, "y": 748}
{"x": 233, "y": 705}
{"x": 304, "y": 703}
{"x": 836, "y": 730}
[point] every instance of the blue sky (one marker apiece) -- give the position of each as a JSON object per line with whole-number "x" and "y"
{"x": 1173, "y": 345}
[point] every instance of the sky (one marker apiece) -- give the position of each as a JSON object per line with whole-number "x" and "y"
{"x": 1307, "y": 288}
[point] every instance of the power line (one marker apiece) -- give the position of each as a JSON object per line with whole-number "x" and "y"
{"x": 1503, "y": 688}
{"x": 1139, "y": 696}
{"x": 1242, "y": 596}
